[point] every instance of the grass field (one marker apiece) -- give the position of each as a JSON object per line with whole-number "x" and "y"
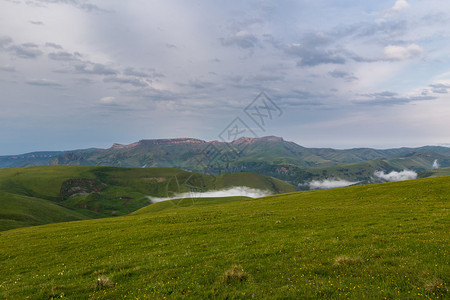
{"x": 42, "y": 195}
{"x": 383, "y": 241}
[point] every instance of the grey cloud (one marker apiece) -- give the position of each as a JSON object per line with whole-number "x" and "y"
{"x": 310, "y": 57}
{"x": 95, "y": 69}
{"x": 421, "y": 98}
{"x": 30, "y": 45}
{"x": 440, "y": 91}
{"x": 171, "y": 46}
{"x": 261, "y": 77}
{"x": 64, "y": 56}
{"x": 317, "y": 48}
{"x": 25, "y": 51}
{"x": 5, "y": 41}
{"x": 7, "y": 69}
{"x": 276, "y": 43}
{"x": 344, "y": 75}
{"x": 440, "y": 88}
{"x": 36, "y": 23}
{"x": 235, "y": 78}
{"x": 132, "y": 72}
{"x": 435, "y": 19}
{"x": 300, "y": 102}
{"x": 84, "y": 81}
{"x": 303, "y": 94}
{"x": 385, "y": 94}
{"x": 133, "y": 81}
{"x": 241, "y": 39}
{"x": 53, "y": 45}
{"x": 43, "y": 83}
{"x": 366, "y": 30}
{"x": 321, "y": 48}
{"x": 91, "y": 7}
{"x": 390, "y": 98}
{"x": 150, "y": 73}
{"x": 300, "y": 98}
{"x": 392, "y": 28}
{"x": 440, "y": 85}
{"x": 316, "y": 39}
{"x": 198, "y": 84}
{"x": 81, "y": 4}
{"x": 157, "y": 74}
{"x": 152, "y": 94}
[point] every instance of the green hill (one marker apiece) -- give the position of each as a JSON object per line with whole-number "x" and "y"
{"x": 19, "y": 211}
{"x": 187, "y": 203}
{"x": 435, "y": 173}
{"x": 381, "y": 241}
{"x": 41, "y": 195}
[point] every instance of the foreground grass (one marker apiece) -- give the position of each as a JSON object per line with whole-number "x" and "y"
{"x": 377, "y": 241}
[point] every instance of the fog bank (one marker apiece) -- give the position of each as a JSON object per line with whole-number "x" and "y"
{"x": 229, "y": 192}
{"x": 329, "y": 184}
{"x": 396, "y": 176}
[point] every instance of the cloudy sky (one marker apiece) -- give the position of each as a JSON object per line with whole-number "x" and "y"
{"x": 87, "y": 73}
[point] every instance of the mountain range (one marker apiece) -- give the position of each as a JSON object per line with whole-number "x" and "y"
{"x": 269, "y": 155}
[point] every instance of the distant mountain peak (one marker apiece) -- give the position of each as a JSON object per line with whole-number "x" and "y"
{"x": 247, "y": 140}
{"x": 120, "y": 146}
{"x": 159, "y": 142}
{"x": 172, "y": 141}
{"x": 241, "y": 140}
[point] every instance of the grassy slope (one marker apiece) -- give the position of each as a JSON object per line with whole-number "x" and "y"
{"x": 29, "y": 192}
{"x": 19, "y": 211}
{"x": 254, "y": 180}
{"x": 186, "y": 203}
{"x": 435, "y": 173}
{"x": 386, "y": 240}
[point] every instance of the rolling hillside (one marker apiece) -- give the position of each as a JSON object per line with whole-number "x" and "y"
{"x": 435, "y": 173}
{"x": 270, "y": 156}
{"x": 40, "y": 195}
{"x": 364, "y": 242}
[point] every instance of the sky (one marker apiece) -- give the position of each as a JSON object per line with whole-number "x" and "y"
{"x": 88, "y": 73}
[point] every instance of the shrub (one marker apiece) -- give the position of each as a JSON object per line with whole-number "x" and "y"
{"x": 103, "y": 282}
{"x": 235, "y": 274}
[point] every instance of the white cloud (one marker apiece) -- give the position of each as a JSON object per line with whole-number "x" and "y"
{"x": 400, "y": 4}
{"x": 436, "y": 164}
{"x": 396, "y": 176}
{"x": 230, "y": 192}
{"x": 393, "y": 52}
{"x": 107, "y": 100}
{"x": 329, "y": 184}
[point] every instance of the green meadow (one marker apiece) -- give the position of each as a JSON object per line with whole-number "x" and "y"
{"x": 382, "y": 241}
{"x": 42, "y": 195}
